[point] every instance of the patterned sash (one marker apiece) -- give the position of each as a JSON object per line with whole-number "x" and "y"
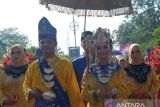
{"x": 62, "y": 99}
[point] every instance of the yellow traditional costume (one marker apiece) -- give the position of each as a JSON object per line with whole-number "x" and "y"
{"x": 53, "y": 76}
{"x": 103, "y": 76}
{"x": 142, "y": 80}
{"x": 147, "y": 84}
{"x": 92, "y": 83}
{"x": 144, "y": 83}
{"x": 64, "y": 72}
{"x": 11, "y": 85}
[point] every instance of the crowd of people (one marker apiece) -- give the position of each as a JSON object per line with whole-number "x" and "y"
{"x": 92, "y": 80}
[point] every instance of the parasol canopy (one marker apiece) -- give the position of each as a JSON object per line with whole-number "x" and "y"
{"x": 100, "y": 8}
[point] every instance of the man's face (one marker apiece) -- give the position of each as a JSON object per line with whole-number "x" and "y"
{"x": 87, "y": 43}
{"x": 47, "y": 46}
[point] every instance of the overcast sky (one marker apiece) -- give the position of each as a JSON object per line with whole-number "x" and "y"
{"x": 25, "y": 14}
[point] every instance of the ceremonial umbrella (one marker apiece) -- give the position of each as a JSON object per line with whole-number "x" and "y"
{"x": 99, "y": 8}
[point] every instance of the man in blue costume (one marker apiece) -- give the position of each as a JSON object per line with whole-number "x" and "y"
{"x": 81, "y": 63}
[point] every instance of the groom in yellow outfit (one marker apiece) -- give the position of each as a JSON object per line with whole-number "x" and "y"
{"x": 51, "y": 81}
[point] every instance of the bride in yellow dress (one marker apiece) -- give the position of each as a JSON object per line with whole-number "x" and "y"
{"x": 105, "y": 78}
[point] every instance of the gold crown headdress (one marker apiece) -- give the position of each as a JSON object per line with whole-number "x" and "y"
{"x": 102, "y": 35}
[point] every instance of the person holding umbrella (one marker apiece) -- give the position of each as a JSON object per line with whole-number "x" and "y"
{"x": 81, "y": 63}
{"x": 51, "y": 81}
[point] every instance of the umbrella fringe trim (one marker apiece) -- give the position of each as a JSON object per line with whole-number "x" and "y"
{"x": 92, "y": 13}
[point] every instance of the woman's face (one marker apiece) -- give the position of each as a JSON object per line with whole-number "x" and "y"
{"x": 17, "y": 55}
{"x": 135, "y": 54}
{"x": 103, "y": 50}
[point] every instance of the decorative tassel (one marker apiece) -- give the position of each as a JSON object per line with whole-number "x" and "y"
{"x": 92, "y": 13}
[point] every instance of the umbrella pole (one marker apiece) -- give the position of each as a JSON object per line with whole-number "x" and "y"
{"x": 88, "y": 62}
{"x": 74, "y": 30}
{"x": 85, "y": 19}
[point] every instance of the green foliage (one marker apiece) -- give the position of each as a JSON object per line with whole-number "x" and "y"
{"x": 156, "y": 35}
{"x": 31, "y": 49}
{"x": 9, "y": 37}
{"x": 139, "y": 27}
{"x": 156, "y": 42}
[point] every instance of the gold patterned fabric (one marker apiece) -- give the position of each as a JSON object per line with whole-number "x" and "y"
{"x": 64, "y": 72}
{"x": 90, "y": 83}
{"x": 10, "y": 86}
{"x": 150, "y": 87}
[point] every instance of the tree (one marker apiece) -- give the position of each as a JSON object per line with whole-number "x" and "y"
{"x": 156, "y": 35}
{"x": 139, "y": 27}
{"x": 31, "y": 49}
{"x": 9, "y": 37}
